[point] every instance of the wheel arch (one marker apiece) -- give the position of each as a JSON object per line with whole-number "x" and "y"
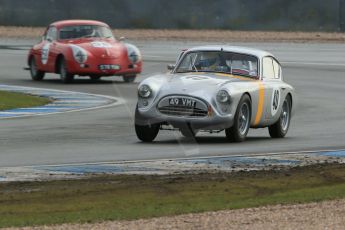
{"x": 290, "y": 96}
{"x": 29, "y": 58}
{"x": 57, "y": 62}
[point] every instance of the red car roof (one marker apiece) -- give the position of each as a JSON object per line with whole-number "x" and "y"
{"x": 63, "y": 23}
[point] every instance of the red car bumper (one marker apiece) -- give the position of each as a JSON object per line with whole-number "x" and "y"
{"x": 104, "y": 67}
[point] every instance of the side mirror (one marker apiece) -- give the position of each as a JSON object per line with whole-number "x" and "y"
{"x": 121, "y": 39}
{"x": 171, "y": 67}
{"x": 49, "y": 39}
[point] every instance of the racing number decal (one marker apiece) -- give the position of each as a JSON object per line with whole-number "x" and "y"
{"x": 45, "y": 53}
{"x": 275, "y": 101}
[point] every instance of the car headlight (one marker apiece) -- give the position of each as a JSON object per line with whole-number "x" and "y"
{"x": 144, "y": 91}
{"x": 223, "y": 96}
{"x": 79, "y": 54}
{"x": 133, "y": 53}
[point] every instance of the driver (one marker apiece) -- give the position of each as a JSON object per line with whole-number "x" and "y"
{"x": 209, "y": 61}
{"x": 90, "y": 32}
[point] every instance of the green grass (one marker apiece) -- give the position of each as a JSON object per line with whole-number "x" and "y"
{"x": 10, "y": 100}
{"x": 131, "y": 197}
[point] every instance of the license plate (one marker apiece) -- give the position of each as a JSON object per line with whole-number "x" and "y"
{"x": 109, "y": 67}
{"x": 186, "y": 102}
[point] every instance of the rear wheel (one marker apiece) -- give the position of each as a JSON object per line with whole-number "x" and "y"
{"x": 238, "y": 132}
{"x": 281, "y": 127}
{"x": 65, "y": 76}
{"x": 129, "y": 78}
{"x": 36, "y": 75}
{"x": 147, "y": 133}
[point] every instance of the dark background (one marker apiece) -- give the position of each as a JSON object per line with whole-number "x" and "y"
{"x": 304, "y": 15}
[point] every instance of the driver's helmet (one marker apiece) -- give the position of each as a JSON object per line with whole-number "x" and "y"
{"x": 90, "y": 31}
{"x": 208, "y": 59}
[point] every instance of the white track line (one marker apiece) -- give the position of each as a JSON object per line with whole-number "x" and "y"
{"x": 117, "y": 101}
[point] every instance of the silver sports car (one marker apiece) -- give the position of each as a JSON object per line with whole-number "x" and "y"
{"x": 216, "y": 88}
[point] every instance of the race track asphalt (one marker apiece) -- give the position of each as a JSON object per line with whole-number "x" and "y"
{"x": 317, "y": 71}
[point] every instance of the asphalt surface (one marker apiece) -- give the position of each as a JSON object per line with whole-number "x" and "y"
{"x": 317, "y": 71}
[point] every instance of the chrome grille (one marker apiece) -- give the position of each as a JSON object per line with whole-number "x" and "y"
{"x": 182, "y": 111}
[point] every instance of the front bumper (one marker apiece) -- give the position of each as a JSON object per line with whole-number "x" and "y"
{"x": 213, "y": 121}
{"x": 92, "y": 67}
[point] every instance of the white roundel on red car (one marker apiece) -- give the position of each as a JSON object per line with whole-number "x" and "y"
{"x": 275, "y": 102}
{"x": 45, "y": 53}
{"x": 101, "y": 44}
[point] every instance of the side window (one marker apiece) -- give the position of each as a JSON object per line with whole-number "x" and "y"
{"x": 277, "y": 69}
{"x": 268, "y": 70}
{"x": 51, "y": 34}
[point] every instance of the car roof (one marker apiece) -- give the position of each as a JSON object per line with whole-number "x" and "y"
{"x": 236, "y": 49}
{"x": 63, "y": 23}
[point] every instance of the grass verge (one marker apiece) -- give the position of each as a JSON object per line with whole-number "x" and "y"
{"x": 131, "y": 197}
{"x": 10, "y": 100}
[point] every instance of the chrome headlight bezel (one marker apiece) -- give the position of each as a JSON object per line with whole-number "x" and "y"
{"x": 79, "y": 54}
{"x": 144, "y": 91}
{"x": 223, "y": 96}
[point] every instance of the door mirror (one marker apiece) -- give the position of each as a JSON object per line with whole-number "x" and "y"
{"x": 171, "y": 67}
{"x": 49, "y": 39}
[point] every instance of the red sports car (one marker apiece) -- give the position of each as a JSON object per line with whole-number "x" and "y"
{"x": 84, "y": 48}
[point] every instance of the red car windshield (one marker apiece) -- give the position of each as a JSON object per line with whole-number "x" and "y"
{"x": 85, "y": 31}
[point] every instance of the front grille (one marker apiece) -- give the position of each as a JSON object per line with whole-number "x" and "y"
{"x": 182, "y": 111}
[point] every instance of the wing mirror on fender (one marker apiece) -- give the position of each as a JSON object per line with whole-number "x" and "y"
{"x": 171, "y": 67}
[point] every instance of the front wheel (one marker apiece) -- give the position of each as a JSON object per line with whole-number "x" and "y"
{"x": 65, "y": 76}
{"x": 36, "y": 75}
{"x": 281, "y": 127}
{"x": 129, "y": 78}
{"x": 238, "y": 132}
{"x": 147, "y": 133}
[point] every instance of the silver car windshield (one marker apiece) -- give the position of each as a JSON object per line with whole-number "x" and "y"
{"x": 85, "y": 31}
{"x": 219, "y": 62}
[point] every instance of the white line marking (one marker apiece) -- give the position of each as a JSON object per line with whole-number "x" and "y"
{"x": 117, "y": 101}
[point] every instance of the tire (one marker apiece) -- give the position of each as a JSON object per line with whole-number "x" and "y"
{"x": 36, "y": 75}
{"x": 65, "y": 76}
{"x": 147, "y": 133}
{"x": 238, "y": 132}
{"x": 129, "y": 78}
{"x": 281, "y": 127}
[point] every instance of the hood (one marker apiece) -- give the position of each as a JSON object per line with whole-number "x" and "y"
{"x": 199, "y": 83}
{"x": 101, "y": 48}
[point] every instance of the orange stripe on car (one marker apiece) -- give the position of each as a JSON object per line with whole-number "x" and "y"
{"x": 260, "y": 104}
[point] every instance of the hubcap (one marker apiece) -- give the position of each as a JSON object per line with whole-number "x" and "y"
{"x": 285, "y": 115}
{"x": 243, "y": 119}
